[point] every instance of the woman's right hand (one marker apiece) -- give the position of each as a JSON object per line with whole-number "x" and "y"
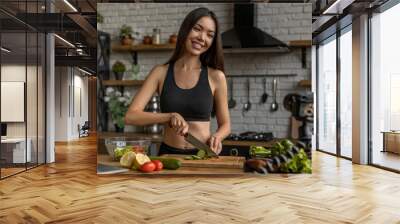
{"x": 178, "y": 123}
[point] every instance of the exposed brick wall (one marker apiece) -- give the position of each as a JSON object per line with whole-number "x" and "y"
{"x": 285, "y": 21}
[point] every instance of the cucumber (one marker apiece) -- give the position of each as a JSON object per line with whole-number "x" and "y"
{"x": 168, "y": 163}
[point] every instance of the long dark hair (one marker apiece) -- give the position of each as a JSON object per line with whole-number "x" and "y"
{"x": 213, "y": 57}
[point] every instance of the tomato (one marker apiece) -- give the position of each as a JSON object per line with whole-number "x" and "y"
{"x": 148, "y": 167}
{"x": 159, "y": 165}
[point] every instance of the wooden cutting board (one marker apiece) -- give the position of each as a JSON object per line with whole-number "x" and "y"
{"x": 233, "y": 162}
{"x": 106, "y": 166}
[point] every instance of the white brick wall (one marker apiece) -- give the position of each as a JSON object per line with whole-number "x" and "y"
{"x": 286, "y": 21}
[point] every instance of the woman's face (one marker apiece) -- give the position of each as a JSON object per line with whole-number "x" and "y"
{"x": 201, "y": 36}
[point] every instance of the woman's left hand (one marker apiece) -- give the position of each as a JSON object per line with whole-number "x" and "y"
{"x": 215, "y": 143}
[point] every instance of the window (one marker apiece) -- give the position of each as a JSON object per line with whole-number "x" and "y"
{"x": 346, "y": 75}
{"x": 327, "y": 95}
{"x": 385, "y": 84}
{"x": 22, "y": 76}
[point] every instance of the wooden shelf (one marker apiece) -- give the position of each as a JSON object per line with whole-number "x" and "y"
{"x": 300, "y": 43}
{"x": 123, "y": 82}
{"x": 166, "y": 47}
{"x": 143, "y": 47}
{"x": 305, "y": 83}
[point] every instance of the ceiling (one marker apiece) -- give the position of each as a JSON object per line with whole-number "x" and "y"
{"x": 76, "y": 26}
{"x": 326, "y": 13}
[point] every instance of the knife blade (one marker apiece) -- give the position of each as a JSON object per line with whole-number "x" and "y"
{"x": 199, "y": 144}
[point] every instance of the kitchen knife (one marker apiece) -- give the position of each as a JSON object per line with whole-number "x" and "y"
{"x": 200, "y": 145}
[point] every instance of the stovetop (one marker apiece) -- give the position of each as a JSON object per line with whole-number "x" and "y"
{"x": 251, "y": 136}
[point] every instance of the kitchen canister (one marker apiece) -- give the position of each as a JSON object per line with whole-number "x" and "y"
{"x": 156, "y": 36}
{"x": 153, "y": 106}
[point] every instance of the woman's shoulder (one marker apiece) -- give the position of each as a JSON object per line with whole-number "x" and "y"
{"x": 161, "y": 68}
{"x": 159, "y": 71}
{"x": 216, "y": 74}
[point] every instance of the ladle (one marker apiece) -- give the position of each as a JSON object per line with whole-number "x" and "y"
{"x": 231, "y": 102}
{"x": 247, "y": 105}
{"x": 274, "y": 105}
{"x": 264, "y": 97}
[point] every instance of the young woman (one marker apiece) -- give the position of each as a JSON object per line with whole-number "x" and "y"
{"x": 190, "y": 84}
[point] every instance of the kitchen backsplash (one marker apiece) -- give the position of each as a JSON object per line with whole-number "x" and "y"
{"x": 285, "y": 21}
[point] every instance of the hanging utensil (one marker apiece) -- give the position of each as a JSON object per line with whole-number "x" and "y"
{"x": 247, "y": 106}
{"x": 264, "y": 97}
{"x": 274, "y": 105}
{"x": 232, "y": 102}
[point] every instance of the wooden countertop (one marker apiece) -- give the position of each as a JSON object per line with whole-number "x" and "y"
{"x": 106, "y": 161}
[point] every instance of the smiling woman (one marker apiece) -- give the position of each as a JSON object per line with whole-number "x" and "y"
{"x": 191, "y": 85}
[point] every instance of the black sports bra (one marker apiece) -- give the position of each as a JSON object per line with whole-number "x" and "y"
{"x": 193, "y": 104}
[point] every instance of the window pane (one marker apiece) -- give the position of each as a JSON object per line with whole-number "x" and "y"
{"x": 41, "y": 98}
{"x": 327, "y": 96}
{"x": 385, "y": 85}
{"x": 31, "y": 99}
{"x": 15, "y": 151}
{"x": 346, "y": 94}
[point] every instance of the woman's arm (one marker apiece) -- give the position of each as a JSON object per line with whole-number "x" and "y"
{"x": 222, "y": 111}
{"x": 135, "y": 114}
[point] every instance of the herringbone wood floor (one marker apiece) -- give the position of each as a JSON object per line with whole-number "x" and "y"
{"x": 69, "y": 191}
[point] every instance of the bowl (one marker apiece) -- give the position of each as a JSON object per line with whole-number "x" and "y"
{"x": 117, "y": 146}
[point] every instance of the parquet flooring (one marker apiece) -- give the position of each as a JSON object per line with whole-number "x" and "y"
{"x": 69, "y": 191}
{"x": 9, "y": 171}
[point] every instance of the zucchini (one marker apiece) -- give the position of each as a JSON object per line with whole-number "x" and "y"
{"x": 168, "y": 163}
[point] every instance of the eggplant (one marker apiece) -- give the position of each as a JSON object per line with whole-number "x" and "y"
{"x": 258, "y": 165}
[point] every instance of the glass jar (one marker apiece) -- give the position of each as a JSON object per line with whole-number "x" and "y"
{"x": 156, "y": 36}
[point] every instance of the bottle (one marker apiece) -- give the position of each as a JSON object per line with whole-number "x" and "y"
{"x": 156, "y": 36}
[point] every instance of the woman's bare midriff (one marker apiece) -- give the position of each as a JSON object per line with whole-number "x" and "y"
{"x": 199, "y": 129}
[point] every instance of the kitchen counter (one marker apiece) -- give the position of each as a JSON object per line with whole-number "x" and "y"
{"x": 106, "y": 166}
{"x": 157, "y": 138}
{"x": 241, "y": 147}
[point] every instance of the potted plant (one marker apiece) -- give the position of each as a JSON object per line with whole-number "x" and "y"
{"x": 133, "y": 72}
{"x": 118, "y": 68}
{"x": 117, "y": 104}
{"x": 125, "y": 35}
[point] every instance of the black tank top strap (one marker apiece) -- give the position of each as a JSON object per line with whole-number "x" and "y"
{"x": 168, "y": 78}
{"x": 203, "y": 76}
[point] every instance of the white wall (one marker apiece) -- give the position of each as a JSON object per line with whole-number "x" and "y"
{"x": 34, "y": 125}
{"x": 67, "y": 115}
{"x": 61, "y": 105}
{"x": 13, "y": 73}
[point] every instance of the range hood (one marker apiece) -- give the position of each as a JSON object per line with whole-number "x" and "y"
{"x": 245, "y": 37}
